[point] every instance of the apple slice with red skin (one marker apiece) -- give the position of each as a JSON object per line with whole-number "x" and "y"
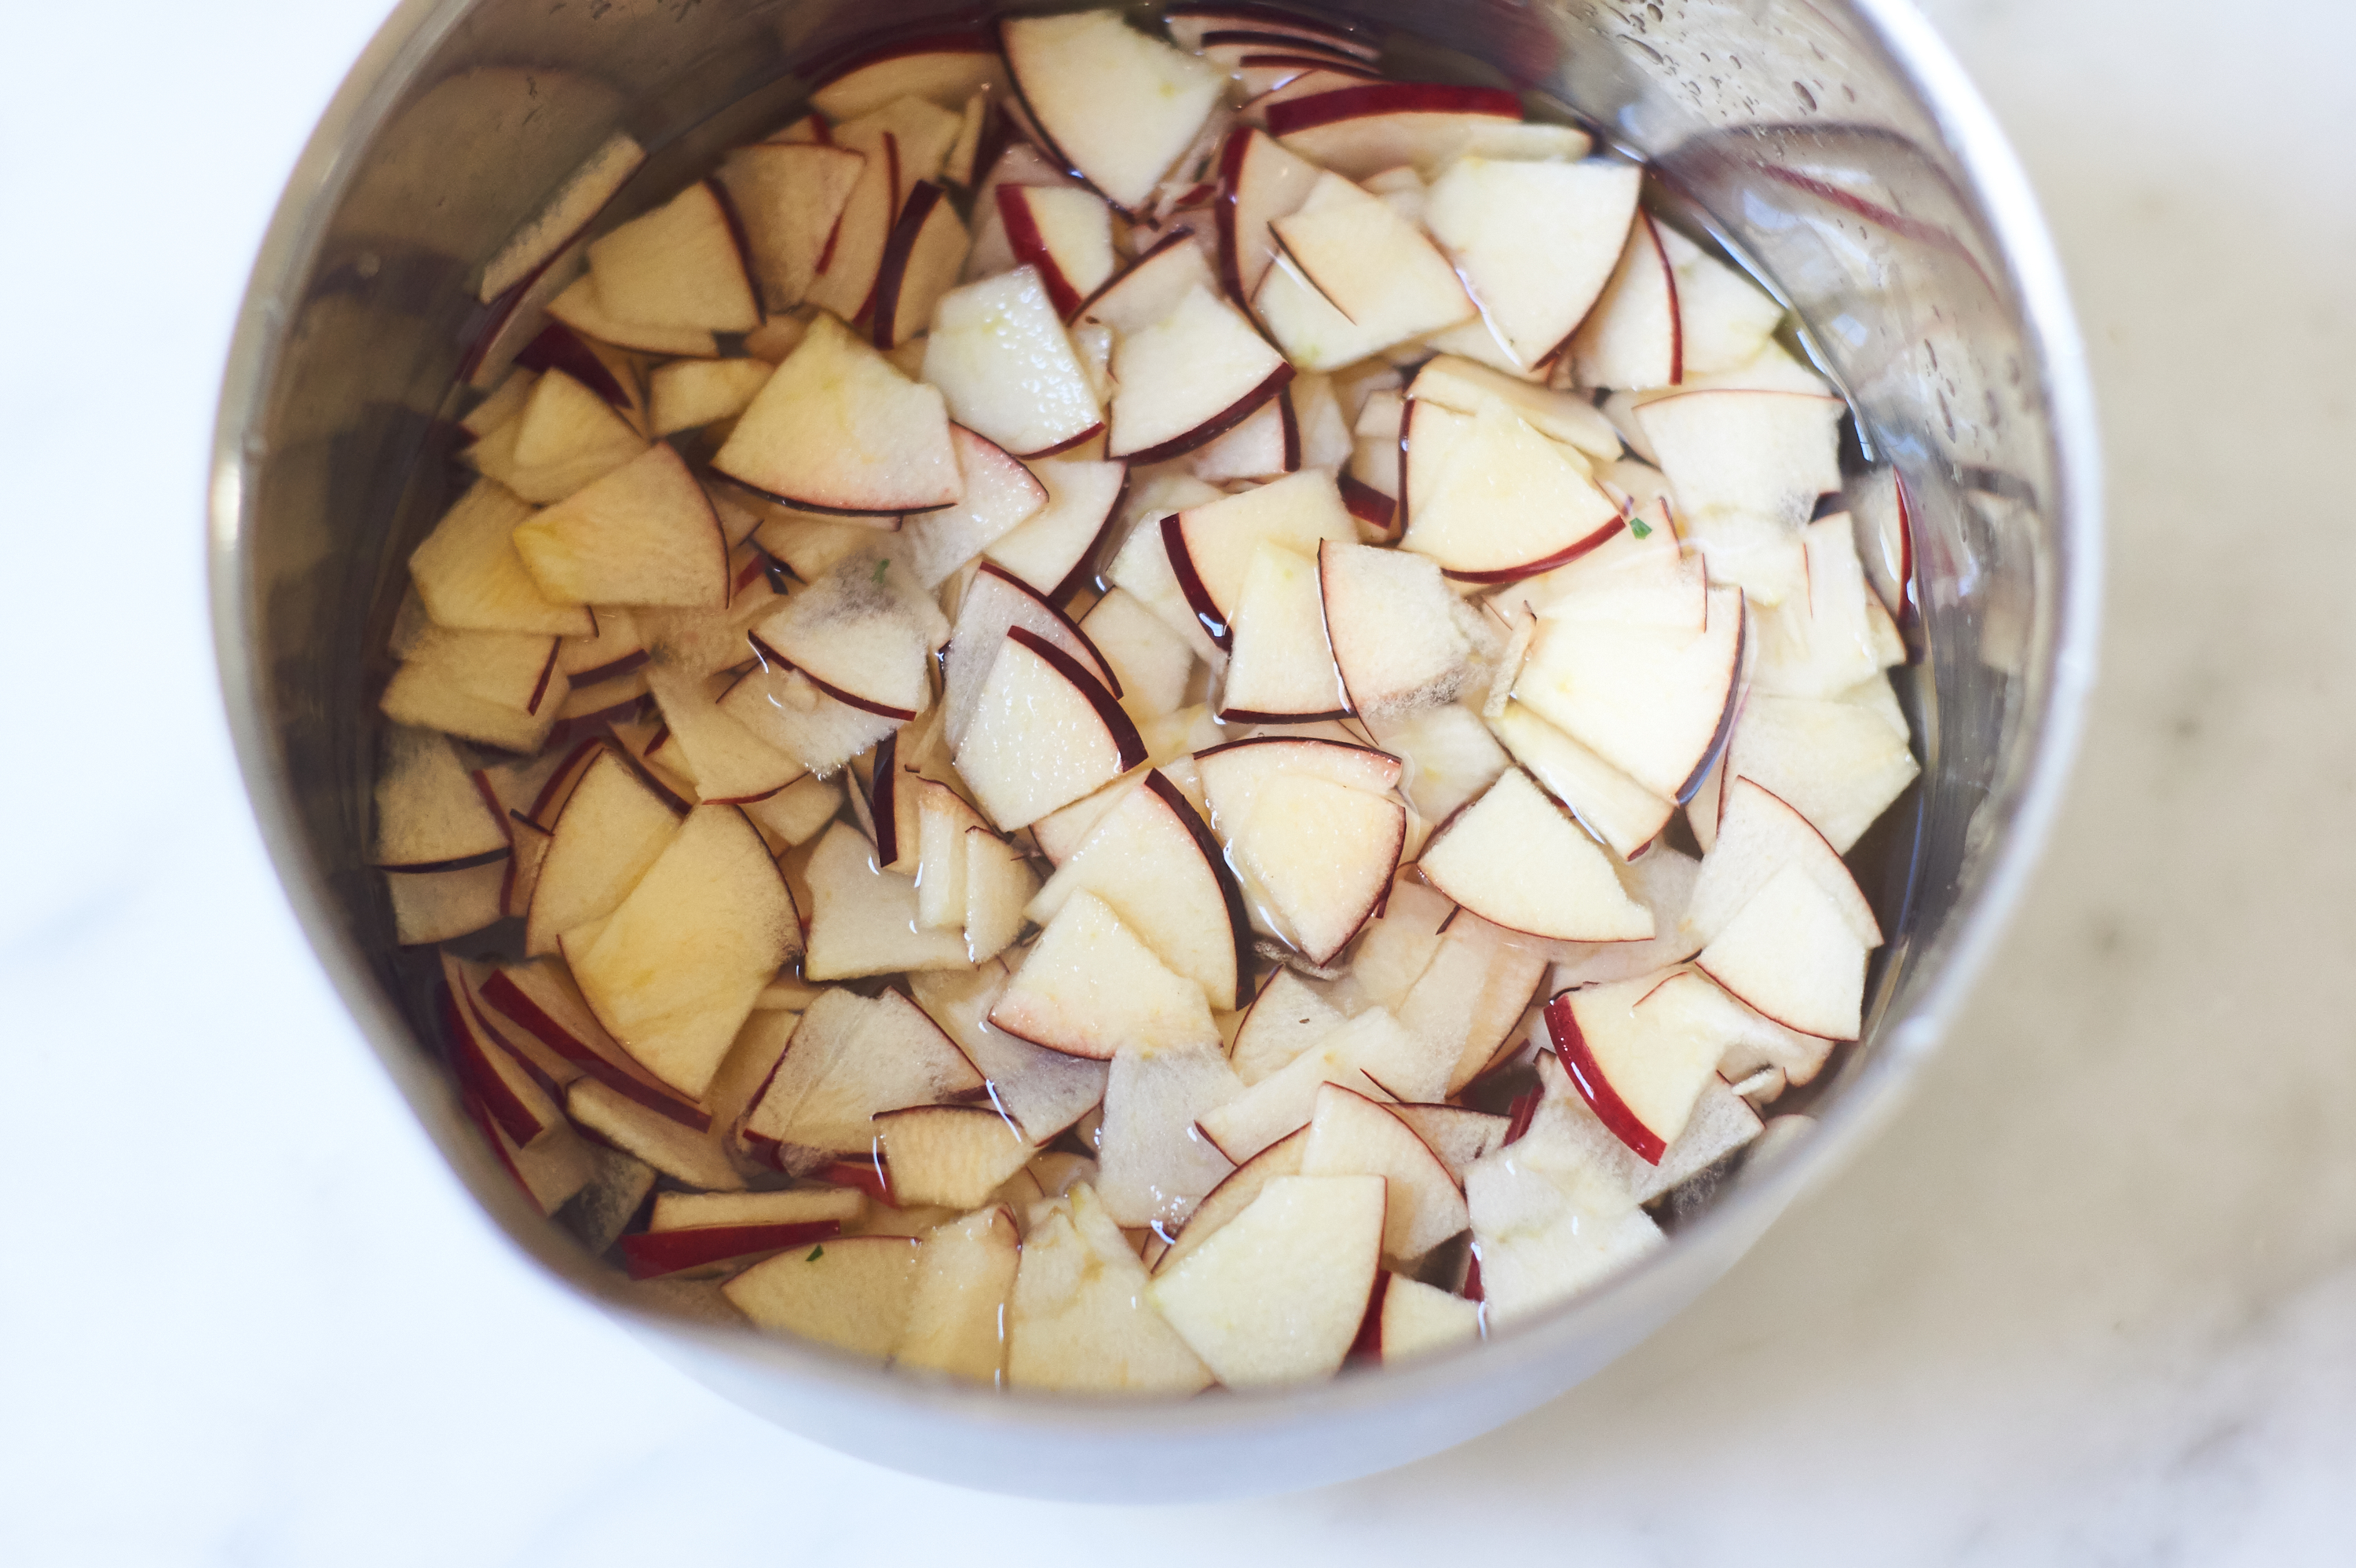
{"x": 1721, "y": 1122}
{"x": 1534, "y": 242}
{"x": 1259, "y": 182}
{"x": 1264, "y": 447}
{"x": 1211, "y": 546}
{"x": 941, "y": 67}
{"x": 1458, "y": 384}
{"x": 1116, "y": 106}
{"x": 1189, "y": 379}
{"x": 1518, "y": 860}
{"x": 1321, "y": 855}
{"x": 1281, "y": 670}
{"x": 1356, "y": 278}
{"x": 1411, "y": 1318}
{"x": 786, "y": 709}
{"x": 680, "y": 265}
{"x": 501, "y": 689}
{"x": 1634, "y": 337}
{"x": 995, "y": 601}
{"x": 853, "y": 1293}
{"x": 1276, "y": 1294}
{"x": 951, "y": 1155}
{"x": 1153, "y": 860}
{"x": 1457, "y": 1134}
{"x": 1505, "y": 501}
{"x": 432, "y": 815}
{"x": 1288, "y": 1016}
{"x": 839, "y": 429}
{"x": 1052, "y": 549}
{"x": 1640, "y": 1071}
{"x": 1088, "y": 987}
{"x": 1044, "y": 1090}
{"x": 1233, "y": 774}
{"x": 1001, "y": 356}
{"x": 1477, "y": 959}
{"x": 1792, "y": 953}
{"x": 1371, "y": 1054}
{"x": 1363, "y": 130}
{"x": 1394, "y": 628}
{"x": 539, "y": 1000}
{"x": 1610, "y": 805}
{"x": 693, "y": 1231}
{"x": 1152, "y": 287}
{"x": 1350, "y": 1135}
{"x": 1191, "y": 24}
{"x": 789, "y": 196}
{"x": 612, "y": 829}
{"x": 644, "y": 534}
{"x": 518, "y": 1102}
{"x": 723, "y": 762}
{"x": 857, "y": 637}
{"x": 1000, "y": 495}
{"x": 851, "y": 1059}
{"x": 470, "y": 576}
{"x": 1656, "y": 702}
{"x": 645, "y": 1133}
{"x": 1838, "y": 763}
{"x": 1063, "y": 232}
{"x": 1152, "y": 663}
{"x": 1233, "y": 1194}
{"x": 922, "y": 257}
{"x": 1044, "y": 733}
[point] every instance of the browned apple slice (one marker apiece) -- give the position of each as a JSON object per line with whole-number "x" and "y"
{"x": 1088, "y": 987}
{"x": 838, "y": 429}
{"x": 851, "y": 1059}
{"x": 672, "y": 972}
{"x": 1151, "y": 858}
{"x": 1116, "y": 106}
{"x": 612, "y": 829}
{"x": 680, "y": 265}
{"x": 1188, "y": 378}
{"x": 644, "y": 534}
{"x": 790, "y": 196}
{"x": 952, "y": 1154}
{"x": 1044, "y": 733}
{"x": 471, "y": 578}
{"x": 1276, "y": 1294}
{"x": 1518, "y": 860}
{"x": 922, "y": 257}
{"x": 853, "y": 1294}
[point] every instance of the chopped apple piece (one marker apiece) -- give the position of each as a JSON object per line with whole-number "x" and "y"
{"x": 1654, "y": 702}
{"x": 1350, "y": 1135}
{"x": 1371, "y": 1054}
{"x": 795, "y": 813}
{"x": 999, "y": 354}
{"x": 579, "y": 308}
{"x": 998, "y": 883}
{"x": 1535, "y": 242}
{"x": 1634, "y": 337}
{"x": 786, "y": 709}
{"x": 942, "y": 819}
{"x": 611, "y": 830}
{"x": 430, "y": 814}
{"x": 1416, "y": 1320}
{"x": 965, "y": 1275}
{"x": 470, "y": 577}
{"x": 1001, "y": 495}
{"x": 839, "y": 429}
{"x": 502, "y": 689}
{"x": 853, "y": 1293}
{"x": 1232, "y": 1196}
{"x": 644, "y": 534}
{"x": 1114, "y": 104}
{"x": 1044, "y": 733}
{"x": 645, "y": 1134}
{"x": 1323, "y": 856}
{"x": 1759, "y": 835}
{"x": 1089, "y": 987}
{"x": 1152, "y": 287}
{"x": 1792, "y": 953}
{"x": 952, "y": 1154}
{"x": 1822, "y": 642}
{"x": 678, "y": 265}
{"x": 922, "y": 257}
{"x": 1518, "y": 860}
{"x": 864, "y": 920}
{"x": 790, "y": 196}
{"x": 851, "y": 1059}
{"x": 1066, "y": 233}
{"x": 1747, "y": 467}
{"x": 1610, "y": 805}
{"x": 724, "y": 762}
{"x": 1083, "y": 1318}
{"x": 1188, "y": 378}
{"x": 1154, "y": 664}
{"x": 1151, "y": 858}
{"x": 995, "y": 601}
{"x": 1265, "y": 446}
{"x": 1154, "y": 1165}
{"x": 1505, "y": 501}
{"x": 1546, "y": 1225}
{"x": 1259, "y": 182}
{"x": 857, "y": 637}
{"x": 1724, "y": 317}
{"x": 1353, "y": 278}
{"x": 569, "y": 210}
{"x": 1395, "y": 628}
{"x": 1289, "y": 1016}
{"x": 1640, "y": 1068}
{"x": 1449, "y": 757}
{"x": 688, "y": 394}
{"x": 1276, "y": 1294}
{"x": 1466, "y": 388}
{"x": 1363, "y": 129}
{"x": 1457, "y": 1134}
{"x": 1472, "y": 959}
{"x": 1050, "y": 551}
{"x": 1044, "y": 1090}
{"x": 1282, "y": 670}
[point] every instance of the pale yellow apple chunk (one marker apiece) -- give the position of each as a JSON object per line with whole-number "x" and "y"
{"x": 470, "y": 577}
{"x": 864, "y": 920}
{"x": 1082, "y": 1319}
{"x": 1350, "y": 1135}
{"x": 1089, "y": 987}
{"x": 1277, "y": 1295}
{"x": 839, "y": 427}
{"x": 678, "y": 966}
{"x": 1792, "y": 955}
{"x": 1322, "y": 854}
{"x": 1518, "y": 860}
{"x": 644, "y": 534}
{"x": 677, "y": 266}
{"x": 853, "y": 1293}
{"x": 611, "y": 829}
{"x": 965, "y": 1273}
{"x": 1418, "y": 1318}
{"x": 956, "y": 1156}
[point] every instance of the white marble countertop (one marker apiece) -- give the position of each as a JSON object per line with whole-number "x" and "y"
{"x": 2091, "y": 1299}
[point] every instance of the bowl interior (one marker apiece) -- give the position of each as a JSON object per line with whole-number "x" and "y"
{"x": 1842, "y": 158}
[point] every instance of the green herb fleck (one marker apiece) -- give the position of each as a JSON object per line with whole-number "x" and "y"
{"x": 815, "y": 1254}
{"x": 881, "y": 568}
{"x": 1640, "y": 527}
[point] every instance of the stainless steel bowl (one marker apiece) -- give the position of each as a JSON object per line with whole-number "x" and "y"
{"x": 1835, "y": 143}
